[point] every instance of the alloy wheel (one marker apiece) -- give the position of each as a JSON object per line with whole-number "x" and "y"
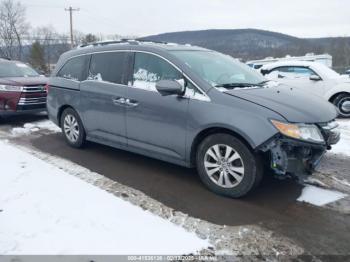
{"x": 71, "y": 128}
{"x": 224, "y": 165}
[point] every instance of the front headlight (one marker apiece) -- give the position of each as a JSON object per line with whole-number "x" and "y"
{"x": 306, "y": 132}
{"x": 9, "y": 88}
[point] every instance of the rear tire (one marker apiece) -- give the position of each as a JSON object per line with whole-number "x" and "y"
{"x": 72, "y": 128}
{"x": 340, "y": 102}
{"x": 227, "y": 166}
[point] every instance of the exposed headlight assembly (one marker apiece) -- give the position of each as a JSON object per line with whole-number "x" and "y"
{"x": 306, "y": 132}
{"x": 9, "y": 88}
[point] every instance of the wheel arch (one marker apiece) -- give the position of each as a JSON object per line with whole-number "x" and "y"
{"x": 215, "y": 130}
{"x": 331, "y": 99}
{"x": 61, "y": 110}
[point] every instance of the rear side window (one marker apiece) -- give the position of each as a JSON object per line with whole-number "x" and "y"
{"x": 75, "y": 69}
{"x": 108, "y": 67}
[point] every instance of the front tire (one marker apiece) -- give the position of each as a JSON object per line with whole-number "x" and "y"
{"x": 227, "y": 166}
{"x": 342, "y": 102}
{"x": 72, "y": 128}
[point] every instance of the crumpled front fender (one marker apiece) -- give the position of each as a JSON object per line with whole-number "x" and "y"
{"x": 292, "y": 157}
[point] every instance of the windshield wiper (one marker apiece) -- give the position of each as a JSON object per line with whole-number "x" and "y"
{"x": 263, "y": 82}
{"x": 237, "y": 85}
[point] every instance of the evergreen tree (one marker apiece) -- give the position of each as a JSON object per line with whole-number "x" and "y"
{"x": 37, "y": 57}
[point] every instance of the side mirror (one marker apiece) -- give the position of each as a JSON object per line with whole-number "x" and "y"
{"x": 315, "y": 78}
{"x": 264, "y": 71}
{"x": 169, "y": 87}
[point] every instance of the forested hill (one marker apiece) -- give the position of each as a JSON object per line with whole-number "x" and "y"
{"x": 250, "y": 44}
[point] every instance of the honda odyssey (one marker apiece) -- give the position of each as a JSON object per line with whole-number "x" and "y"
{"x": 192, "y": 107}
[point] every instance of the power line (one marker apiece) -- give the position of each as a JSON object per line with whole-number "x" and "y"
{"x": 71, "y": 10}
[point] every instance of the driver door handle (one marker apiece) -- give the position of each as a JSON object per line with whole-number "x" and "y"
{"x": 131, "y": 102}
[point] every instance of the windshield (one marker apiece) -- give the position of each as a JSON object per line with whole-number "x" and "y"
{"x": 219, "y": 69}
{"x": 13, "y": 69}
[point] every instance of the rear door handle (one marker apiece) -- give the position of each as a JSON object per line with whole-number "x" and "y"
{"x": 131, "y": 102}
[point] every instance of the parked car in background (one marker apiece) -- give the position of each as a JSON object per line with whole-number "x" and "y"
{"x": 315, "y": 78}
{"x": 347, "y": 72}
{"x": 192, "y": 107}
{"x": 325, "y": 59}
{"x": 22, "y": 89}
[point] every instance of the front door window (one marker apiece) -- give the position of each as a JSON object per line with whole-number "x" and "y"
{"x": 149, "y": 69}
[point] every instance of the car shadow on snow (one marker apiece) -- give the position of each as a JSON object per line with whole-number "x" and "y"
{"x": 177, "y": 187}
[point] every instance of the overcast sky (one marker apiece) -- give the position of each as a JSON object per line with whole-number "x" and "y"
{"x": 302, "y": 18}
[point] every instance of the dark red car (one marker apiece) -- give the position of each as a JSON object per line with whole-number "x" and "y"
{"x": 22, "y": 89}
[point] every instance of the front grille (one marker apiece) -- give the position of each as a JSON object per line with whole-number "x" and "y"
{"x": 31, "y": 101}
{"x": 33, "y": 96}
{"x": 34, "y": 89}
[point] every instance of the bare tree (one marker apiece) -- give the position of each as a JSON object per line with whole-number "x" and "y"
{"x": 78, "y": 38}
{"x": 118, "y": 37}
{"x": 13, "y": 27}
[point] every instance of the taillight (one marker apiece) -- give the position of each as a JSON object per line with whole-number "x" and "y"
{"x": 47, "y": 87}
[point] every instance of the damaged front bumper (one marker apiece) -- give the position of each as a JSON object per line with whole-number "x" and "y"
{"x": 299, "y": 158}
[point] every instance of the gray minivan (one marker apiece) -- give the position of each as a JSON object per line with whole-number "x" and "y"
{"x": 192, "y": 107}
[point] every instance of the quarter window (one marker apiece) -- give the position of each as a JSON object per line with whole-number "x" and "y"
{"x": 108, "y": 67}
{"x": 75, "y": 68}
{"x": 149, "y": 69}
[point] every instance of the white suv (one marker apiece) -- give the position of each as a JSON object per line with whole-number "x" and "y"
{"x": 315, "y": 78}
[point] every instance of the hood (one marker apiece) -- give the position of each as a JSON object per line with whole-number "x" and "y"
{"x": 294, "y": 105}
{"x": 344, "y": 79}
{"x": 23, "y": 81}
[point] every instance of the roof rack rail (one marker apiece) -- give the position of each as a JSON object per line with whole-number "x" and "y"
{"x": 101, "y": 43}
{"x": 150, "y": 41}
{"x": 121, "y": 41}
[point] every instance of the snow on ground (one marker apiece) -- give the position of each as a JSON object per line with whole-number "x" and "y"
{"x": 318, "y": 196}
{"x": 343, "y": 147}
{"x": 36, "y": 126}
{"x": 44, "y": 210}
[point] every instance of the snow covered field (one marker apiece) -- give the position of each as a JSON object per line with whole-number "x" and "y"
{"x": 343, "y": 147}
{"x": 44, "y": 210}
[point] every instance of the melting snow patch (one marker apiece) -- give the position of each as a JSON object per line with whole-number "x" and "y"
{"x": 319, "y": 196}
{"x": 47, "y": 211}
{"x": 29, "y": 128}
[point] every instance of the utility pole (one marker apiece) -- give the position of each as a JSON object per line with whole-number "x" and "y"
{"x": 71, "y": 10}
